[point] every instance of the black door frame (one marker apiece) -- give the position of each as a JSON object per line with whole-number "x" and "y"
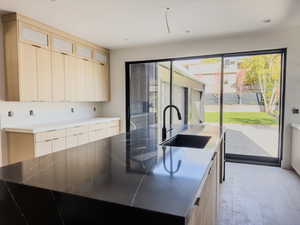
{"x": 228, "y": 157}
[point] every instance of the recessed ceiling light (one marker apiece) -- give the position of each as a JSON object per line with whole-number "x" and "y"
{"x": 188, "y": 31}
{"x": 267, "y": 20}
{"x": 52, "y": 0}
{"x": 125, "y": 39}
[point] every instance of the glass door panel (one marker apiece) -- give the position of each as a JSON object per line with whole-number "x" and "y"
{"x": 149, "y": 93}
{"x": 196, "y": 85}
{"x": 252, "y": 105}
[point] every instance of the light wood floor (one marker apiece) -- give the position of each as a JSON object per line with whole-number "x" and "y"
{"x": 259, "y": 195}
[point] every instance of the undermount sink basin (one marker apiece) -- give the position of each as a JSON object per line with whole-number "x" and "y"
{"x": 188, "y": 141}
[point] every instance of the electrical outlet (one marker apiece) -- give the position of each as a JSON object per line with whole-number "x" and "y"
{"x": 295, "y": 111}
{"x": 72, "y": 110}
{"x": 95, "y": 109}
{"x": 10, "y": 113}
{"x": 31, "y": 113}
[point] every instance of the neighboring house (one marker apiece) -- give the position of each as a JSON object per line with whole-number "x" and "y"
{"x": 237, "y": 96}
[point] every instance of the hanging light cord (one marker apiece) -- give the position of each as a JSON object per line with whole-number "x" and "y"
{"x": 167, "y": 20}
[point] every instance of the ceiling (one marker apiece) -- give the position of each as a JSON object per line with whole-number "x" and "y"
{"x": 124, "y": 23}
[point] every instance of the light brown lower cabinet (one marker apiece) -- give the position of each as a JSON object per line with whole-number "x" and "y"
{"x": 295, "y": 156}
{"x": 204, "y": 211}
{"x": 24, "y": 146}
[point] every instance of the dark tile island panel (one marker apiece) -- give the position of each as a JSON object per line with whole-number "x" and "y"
{"x": 25, "y": 205}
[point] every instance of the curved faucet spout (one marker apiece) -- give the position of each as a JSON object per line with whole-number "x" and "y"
{"x": 164, "y": 130}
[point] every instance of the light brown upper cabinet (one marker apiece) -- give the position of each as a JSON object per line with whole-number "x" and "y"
{"x": 33, "y": 36}
{"x": 83, "y": 52}
{"x": 44, "y": 74}
{"x": 100, "y": 57}
{"x": 72, "y": 76}
{"x": 46, "y": 64}
{"x": 58, "y": 77}
{"x": 27, "y": 91}
{"x": 63, "y": 46}
{"x": 35, "y": 73}
{"x": 101, "y": 76}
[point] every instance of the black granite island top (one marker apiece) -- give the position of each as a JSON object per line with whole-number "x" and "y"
{"x": 121, "y": 179}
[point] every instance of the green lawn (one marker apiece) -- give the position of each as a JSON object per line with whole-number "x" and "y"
{"x": 242, "y": 118}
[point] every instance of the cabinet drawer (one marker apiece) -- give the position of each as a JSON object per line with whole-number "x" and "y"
{"x": 83, "y": 138}
{"x": 97, "y": 134}
{"x": 77, "y": 130}
{"x": 114, "y": 123}
{"x": 43, "y": 148}
{"x": 114, "y": 131}
{"x": 48, "y": 135}
{"x": 97, "y": 126}
{"x": 58, "y": 144}
{"x": 71, "y": 141}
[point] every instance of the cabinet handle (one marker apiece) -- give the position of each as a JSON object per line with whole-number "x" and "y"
{"x": 214, "y": 156}
{"x": 37, "y": 46}
{"x": 63, "y": 53}
{"x": 55, "y": 139}
{"x": 48, "y": 140}
{"x": 52, "y": 130}
{"x": 197, "y": 201}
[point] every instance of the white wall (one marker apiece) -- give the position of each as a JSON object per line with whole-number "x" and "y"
{"x": 256, "y": 41}
{"x": 44, "y": 112}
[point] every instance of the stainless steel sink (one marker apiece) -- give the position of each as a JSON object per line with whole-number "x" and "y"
{"x": 188, "y": 141}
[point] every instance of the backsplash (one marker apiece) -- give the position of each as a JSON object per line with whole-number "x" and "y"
{"x": 42, "y": 112}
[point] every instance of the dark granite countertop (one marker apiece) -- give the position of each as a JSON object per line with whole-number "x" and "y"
{"x": 129, "y": 169}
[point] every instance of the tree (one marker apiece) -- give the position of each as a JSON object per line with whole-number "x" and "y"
{"x": 263, "y": 73}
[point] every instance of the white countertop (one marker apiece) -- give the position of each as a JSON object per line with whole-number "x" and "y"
{"x": 295, "y": 125}
{"x": 37, "y": 128}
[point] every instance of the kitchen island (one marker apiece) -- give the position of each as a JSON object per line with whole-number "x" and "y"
{"x": 125, "y": 179}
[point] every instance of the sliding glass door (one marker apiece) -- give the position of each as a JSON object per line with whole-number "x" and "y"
{"x": 240, "y": 92}
{"x": 252, "y": 106}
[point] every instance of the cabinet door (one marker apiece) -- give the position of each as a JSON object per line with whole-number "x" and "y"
{"x": 71, "y": 64}
{"x": 58, "y": 144}
{"x": 27, "y": 75}
{"x": 97, "y": 77}
{"x": 61, "y": 45}
{"x": 90, "y": 82}
{"x": 43, "y": 148}
{"x": 44, "y": 75}
{"x": 100, "y": 57}
{"x": 33, "y": 36}
{"x": 84, "y": 52}
{"x": 58, "y": 76}
{"x": 104, "y": 83}
{"x": 83, "y": 138}
{"x": 295, "y": 150}
{"x": 71, "y": 141}
{"x": 81, "y": 95}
